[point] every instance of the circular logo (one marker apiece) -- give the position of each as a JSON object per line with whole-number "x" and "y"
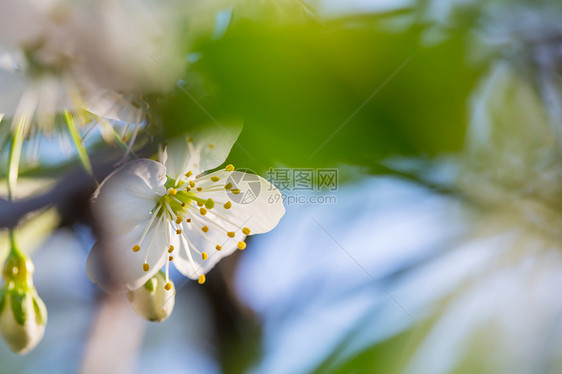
{"x": 246, "y": 186}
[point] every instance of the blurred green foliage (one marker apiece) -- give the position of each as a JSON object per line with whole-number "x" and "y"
{"x": 295, "y": 85}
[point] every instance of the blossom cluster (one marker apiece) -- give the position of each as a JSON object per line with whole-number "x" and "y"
{"x": 67, "y": 67}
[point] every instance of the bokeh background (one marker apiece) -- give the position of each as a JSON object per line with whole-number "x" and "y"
{"x": 441, "y": 250}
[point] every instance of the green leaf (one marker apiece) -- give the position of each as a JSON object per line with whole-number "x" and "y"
{"x": 82, "y": 153}
{"x": 15, "y": 152}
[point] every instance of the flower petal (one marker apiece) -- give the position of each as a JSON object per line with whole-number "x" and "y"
{"x": 126, "y": 197}
{"x": 258, "y": 206}
{"x": 201, "y": 150}
{"x": 125, "y": 265}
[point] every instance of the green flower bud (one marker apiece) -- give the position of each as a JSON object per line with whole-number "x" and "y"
{"x": 154, "y": 301}
{"x": 23, "y": 315}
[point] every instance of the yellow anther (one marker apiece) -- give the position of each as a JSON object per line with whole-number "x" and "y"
{"x": 189, "y": 174}
{"x": 230, "y": 234}
{"x": 211, "y": 146}
{"x": 203, "y": 211}
{"x": 191, "y": 184}
{"x": 241, "y": 246}
{"x": 215, "y": 179}
{"x": 179, "y": 219}
{"x": 200, "y": 204}
{"x": 204, "y": 256}
{"x": 228, "y": 186}
{"x": 235, "y": 191}
{"x": 168, "y": 286}
{"x": 188, "y": 220}
{"x": 172, "y": 192}
{"x": 182, "y": 204}
{"x": 136, "y": 248}
{"x": 229, "y": 167}
{"x": 145, "y": 267}
{"x": 199, "y": 189}
{"x": 227, "y": 205}
{"x": 171, "y": 249}
{"x": 205, "y": 229}
{"x": 246, "y": 231}
{"x": 178, "y": 231}
{"x": 201, "y": 279}
{"x": 209, "y": 203}
{"x": 218, "y": 247}
{"x": 170, "y": 258}
{"x": 187, "y": 189}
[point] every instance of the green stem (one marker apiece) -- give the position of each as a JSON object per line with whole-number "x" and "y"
{"x": 14, "y": 249}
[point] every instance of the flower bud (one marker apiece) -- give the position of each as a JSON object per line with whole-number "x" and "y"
{"x": 154, "y": 301}
{"x": 23, "y": 315}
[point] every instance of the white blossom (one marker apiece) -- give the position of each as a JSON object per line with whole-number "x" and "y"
{"x": 154, "y": 213}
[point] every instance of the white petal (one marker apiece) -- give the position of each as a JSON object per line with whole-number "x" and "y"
{"x": 124, "y": 264}
{"x": 126, "y": 197}
{"x": 201, "y": 150}
{"x": 258, "y": 206}
{"x": 192, "y": 264}
{"x": 113, "y": 105}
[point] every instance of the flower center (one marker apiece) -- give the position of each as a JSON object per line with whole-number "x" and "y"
{"x": 184, "y": 212}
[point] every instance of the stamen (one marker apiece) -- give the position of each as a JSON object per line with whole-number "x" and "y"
{"x": 168, "y": 286}
{"x": 211, "y": 146}
{"x": 205, "y": 229}
{"x": 145, "y": 267}
{"x": 136, "y": 248}
{"x": 191, "y": 184}
{"x": 170, "y": 258}
{"x": 201, "y": 279}
{"x": 215, "y": 179}
{"x": 218, "y": 247}
{"x": 227, "y": 205}
{"x": 203, "y": 220}
{"x": 241, "y": 246}
{"x": 171, "y": 249}
{"x": 246, "y": 231}
{"x": 199, "y": 189}
{"x": 200, "y": 204}
{"x": 179, "y": 219}
{"x": 172, "y": 192}
{"x": 184, "y": 236}
{"x": 188, "y": 220}
{"x": 178, "y": 231}
{"x": 203, "y": 211}
{"x": 204, "y": 256}
{"x": 235, "y": 191}
{"x": 189, "y": 174}
{"x": 209, "y": 203}
{"x": 148, "y": 226}
{"x": 152, "y": 240}
{"x": 229, "y": 167}
{"x": 228, "y": 186}
{"x": 230, "y": 234}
